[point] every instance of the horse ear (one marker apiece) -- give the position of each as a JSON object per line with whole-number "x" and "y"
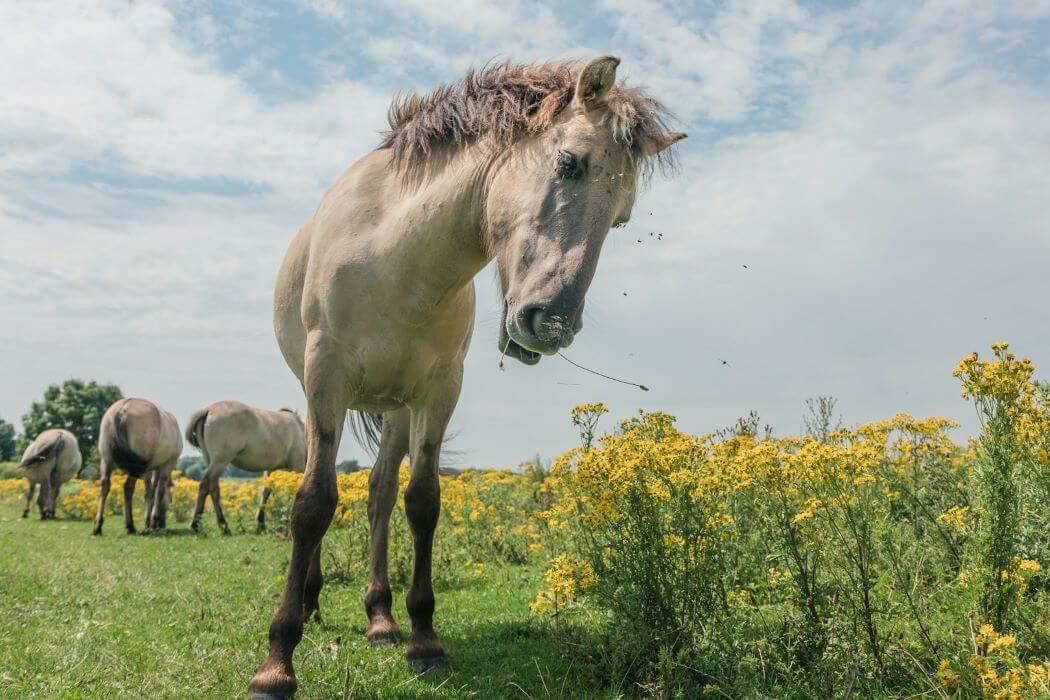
{"x": 663, "y": 142}
{"x": 595, "y": 81}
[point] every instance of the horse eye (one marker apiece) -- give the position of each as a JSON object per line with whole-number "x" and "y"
{"x": 568, "y": 164}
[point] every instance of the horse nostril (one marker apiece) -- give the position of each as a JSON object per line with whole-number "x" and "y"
{"x": 534, "y": 318}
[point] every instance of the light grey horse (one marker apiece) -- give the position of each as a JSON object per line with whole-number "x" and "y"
{"x": 142, "y": 440}
{"x": 374, "y": 304}
{"x": 253, "y": 439}
{"x": 48, "y": 462}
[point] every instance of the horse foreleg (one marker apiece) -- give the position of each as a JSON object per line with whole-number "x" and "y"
{"x": 103, "y": 493}
{"x": 129, "y": 497}
{"x": 29, "y": 498}
{"x": 312, "y": 512}
{"x": 422, "y": 507}
{"x": 382, "y": 494}
{"x": 260, "y": 517}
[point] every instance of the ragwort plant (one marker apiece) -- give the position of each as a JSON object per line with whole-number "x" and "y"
{"x": 864, "y": 561}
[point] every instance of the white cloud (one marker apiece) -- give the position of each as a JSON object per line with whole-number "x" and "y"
{"x": 115, "y": 86}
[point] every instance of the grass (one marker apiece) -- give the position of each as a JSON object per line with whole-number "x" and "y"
{"x": 175, "y": 615}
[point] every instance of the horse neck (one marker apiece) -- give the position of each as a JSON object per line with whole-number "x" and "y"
{"x": 441, "y": 236}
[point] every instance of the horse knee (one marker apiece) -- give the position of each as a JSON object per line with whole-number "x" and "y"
{"x": 423, "y": 505}
{"x": 313, "y": 511}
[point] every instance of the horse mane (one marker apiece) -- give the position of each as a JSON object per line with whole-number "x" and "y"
{"x": 502, "y": 102}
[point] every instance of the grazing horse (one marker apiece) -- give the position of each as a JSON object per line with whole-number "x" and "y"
{"x": 142, "y": 440}
{"x": 50, "y": 461}
{"x": 254, "y": 439}
{"x": 374, "y": 303}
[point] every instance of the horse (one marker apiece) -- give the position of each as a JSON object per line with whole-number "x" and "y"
{"x": 530, "y": 165}
{"x": 145, "y": 442}
{"x": 51, "y": 460}
{"x": 254, "y": 439}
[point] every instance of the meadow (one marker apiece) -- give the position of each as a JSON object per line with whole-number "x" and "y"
{"x": 878, "y": 560}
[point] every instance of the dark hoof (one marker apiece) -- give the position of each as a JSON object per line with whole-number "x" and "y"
{"x": 272, "y": 683}
{"x": 420, "y": 666}
{"x": 385, "y": 640}
{"x": 25, "y": 514}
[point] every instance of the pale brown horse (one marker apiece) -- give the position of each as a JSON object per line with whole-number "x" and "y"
{"x": 142, "y": 440}
{"x": 253, "y": 439}
{"x": 51, "y": 460}
{"x": 374, "y": 303}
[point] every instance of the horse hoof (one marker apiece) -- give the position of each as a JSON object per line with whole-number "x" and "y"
{"x": 385, "y": 640}
{"x": 421, "y": 666}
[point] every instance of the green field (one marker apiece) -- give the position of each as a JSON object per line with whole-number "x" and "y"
{"x": 182, "y": 616}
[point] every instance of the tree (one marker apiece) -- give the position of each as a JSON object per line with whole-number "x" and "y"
{"x": 348, "y": 466}
{"x": 75, "y": 405}
{"x": 7, "y": 442}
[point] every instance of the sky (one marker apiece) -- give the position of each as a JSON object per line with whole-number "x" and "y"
{"x": 863, "y": 199}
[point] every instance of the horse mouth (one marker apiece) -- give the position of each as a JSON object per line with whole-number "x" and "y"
{"x": 522, "y": 354}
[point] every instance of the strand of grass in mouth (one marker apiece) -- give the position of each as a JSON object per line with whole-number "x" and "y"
{"x": 503, "y": 352}
{"x": 643, "y": 387}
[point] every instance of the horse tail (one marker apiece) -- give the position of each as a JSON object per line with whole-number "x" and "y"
{"x": 367, "y": 429}
{"x": 38, "y": 450}
{"x": 195, "y": 428}
{"x": 123, "y": 453}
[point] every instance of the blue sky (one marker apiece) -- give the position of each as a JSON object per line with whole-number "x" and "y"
{"x": 883, "y": 170}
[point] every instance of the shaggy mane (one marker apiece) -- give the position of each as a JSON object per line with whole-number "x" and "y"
{"x": 503, "y": 102}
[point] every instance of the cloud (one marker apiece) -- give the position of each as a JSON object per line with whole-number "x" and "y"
{"x": 117, "y": 87}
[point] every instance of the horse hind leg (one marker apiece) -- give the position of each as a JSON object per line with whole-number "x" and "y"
{"x": 29, "y": 498}
{"x": 160, "y": 497}
{"x": 202, "y": 496}
{"x": 129, "y": 497}
{"x": 382, "y": 494}
{"x": 44, "y": 497}
{"x": 216, "y": 502}
{"x": 148, "y": 484}
{"x": 56, "y": 486}
{"x": 103, "y": 494}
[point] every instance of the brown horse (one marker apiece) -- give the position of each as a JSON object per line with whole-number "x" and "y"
{"x": 374, "y": 303}
{"x": 140, "y": 439}
{"x": 253, "y": 439}
{"x": 51, "y": 460}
